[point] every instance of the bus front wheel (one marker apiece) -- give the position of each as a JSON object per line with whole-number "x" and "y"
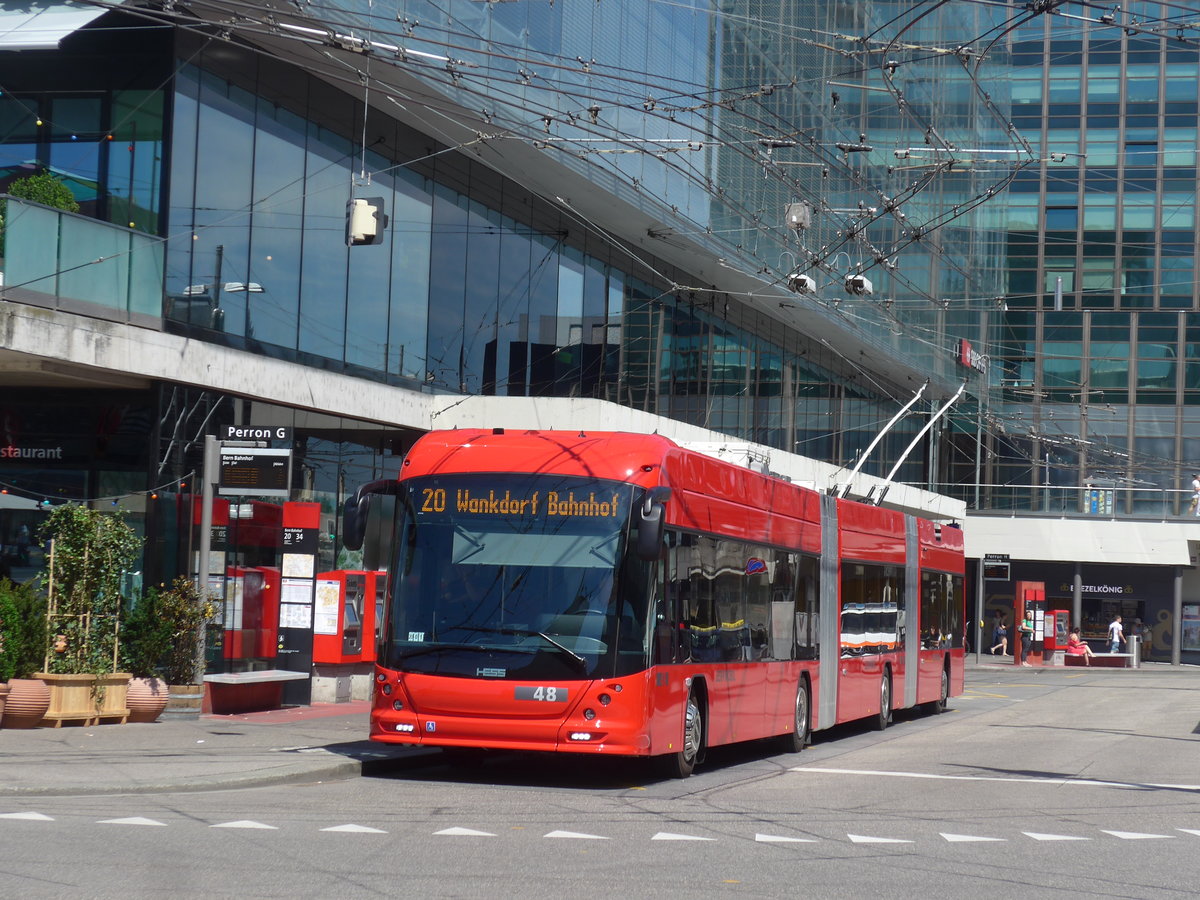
{"x": 681, "y": 763}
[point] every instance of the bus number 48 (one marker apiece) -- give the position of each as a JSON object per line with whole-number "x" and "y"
{"x": 543, "y": 693}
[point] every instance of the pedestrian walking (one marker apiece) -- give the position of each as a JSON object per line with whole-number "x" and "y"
{"x": 1116, "y": 635}
{"x": 1194, "y": 506}
{"x": 999, "y": 637}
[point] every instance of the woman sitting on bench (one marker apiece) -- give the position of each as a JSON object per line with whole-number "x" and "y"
{"x": 1077, "y": 647}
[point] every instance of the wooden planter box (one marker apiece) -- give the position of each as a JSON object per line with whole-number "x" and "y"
{"x": 72, "y": 698}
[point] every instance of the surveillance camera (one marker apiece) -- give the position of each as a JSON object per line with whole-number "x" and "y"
{"x": 801, "y": 283}
{"x": 858, "y": 284}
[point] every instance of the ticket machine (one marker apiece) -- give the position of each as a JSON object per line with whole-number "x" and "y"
{"x": 345, "y": 616}
{"x": 1057, "y": 629}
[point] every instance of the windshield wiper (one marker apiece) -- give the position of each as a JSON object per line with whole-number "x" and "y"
{"x": 529, "y": 632}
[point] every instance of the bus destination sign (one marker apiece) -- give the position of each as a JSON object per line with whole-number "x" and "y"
{"x": 569, "y": 504}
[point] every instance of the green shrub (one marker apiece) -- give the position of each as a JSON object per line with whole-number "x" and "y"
{"x": 146, "y": 637}
{"x": 23, "y": 638}
{"x": 46, "y": 189}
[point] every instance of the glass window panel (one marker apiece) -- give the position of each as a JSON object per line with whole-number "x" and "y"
{"x": 1052, "y": 277}
{"x": 31, "y": 247}
{"x": 480, "y": 296}
{"x": 1141, "y": 89}
{"x": 1102, "y": 89}
{"x": 513, "y": 312}
{"x": 278, "y": 215}
{"x": 447, "y": 265}
{"x": 1141, "y": 154}
{"x": 223, "y": 189}
{"x": 80, "y": 276}
{"x": 1139, "y": 217}
{"x": 134, "y": 188}
{"x": 569, "y": 327}
{"x": 322, "y": 320}
{"x": 182, "y": 184}
{"x": 1061, "y": 218}
{"x": 411, "y": 225}
{"x": 367, "y": 299}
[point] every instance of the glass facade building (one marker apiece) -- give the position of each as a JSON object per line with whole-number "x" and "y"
{"x": 1098, "y": 355}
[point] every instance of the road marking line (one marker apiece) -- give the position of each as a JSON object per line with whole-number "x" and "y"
{"x": 1136, "y": 835}
{"x": 463, "y": 832}
{"x": 576, "y": 835}
{"x": 1189, "y": 831}
{"x": 28, "y": 816}
{"x": 1053, "y": 837}
{"x": 777, "y": 839}
{"x": 1087, "y": 782}
{"x": 867, "y": 839}
{"x": 965, "y": 838}
{"x": 355, "y": 829}
{"x": 132, "y": 820}
{"x": 243, "y": 823}
{"x": 670, "y": 836}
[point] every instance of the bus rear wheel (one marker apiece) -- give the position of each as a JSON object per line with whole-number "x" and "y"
{"x": 884, "y": 718}
{"x": 681, "y": 763}
{"x": 798, "y": 738}
{"x": 939, "y": 705}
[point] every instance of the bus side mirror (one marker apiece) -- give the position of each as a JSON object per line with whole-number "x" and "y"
{"x": 651, "y": 520}
{"x": 357, "y": 508}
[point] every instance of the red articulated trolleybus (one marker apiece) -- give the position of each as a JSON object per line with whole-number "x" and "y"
{"x": 619, "y": 594}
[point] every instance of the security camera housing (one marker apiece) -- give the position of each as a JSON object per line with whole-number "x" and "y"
{"x": 801, "y": 284}
{"x": 859, "y": 284}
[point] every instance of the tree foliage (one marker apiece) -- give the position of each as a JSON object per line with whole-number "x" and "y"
{"x": 92, "y": 551}
{"x": 46, "y": 189}
{"x": 22, "y": 630}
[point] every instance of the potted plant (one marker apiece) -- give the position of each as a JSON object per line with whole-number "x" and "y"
{"x": 22, "y": 650}
{"x": 146, "y": 637}
{"x": 90, "y": 551}
{"x": 187, "y": 610}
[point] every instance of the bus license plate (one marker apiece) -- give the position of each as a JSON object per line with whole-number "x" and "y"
{"x": 547, "y": 694}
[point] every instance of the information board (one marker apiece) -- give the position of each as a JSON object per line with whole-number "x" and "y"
{"x": 257, "y": 472}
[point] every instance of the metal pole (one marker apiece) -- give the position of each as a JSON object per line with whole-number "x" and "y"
{"x": 978, "y": 608}
{"x": 207, "y": 477}
{"x": 1077, "y": 597}
{"x": 1176, "y": 627}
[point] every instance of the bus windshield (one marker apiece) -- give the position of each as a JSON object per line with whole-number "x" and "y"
{"x": 516, "y": 576}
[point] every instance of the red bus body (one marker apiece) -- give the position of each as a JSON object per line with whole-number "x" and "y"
{"x": 642, "y": 713}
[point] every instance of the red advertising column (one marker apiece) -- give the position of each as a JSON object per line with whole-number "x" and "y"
{"x": 1029, "y": 612}
{"x": 298, "y": 571}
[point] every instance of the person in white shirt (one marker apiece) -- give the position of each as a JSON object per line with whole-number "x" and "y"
{"x": 1116, "y": 635}
{"x": 1194, "y": 506}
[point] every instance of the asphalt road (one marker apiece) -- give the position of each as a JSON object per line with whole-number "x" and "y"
{"x": 1036, "y": 784}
